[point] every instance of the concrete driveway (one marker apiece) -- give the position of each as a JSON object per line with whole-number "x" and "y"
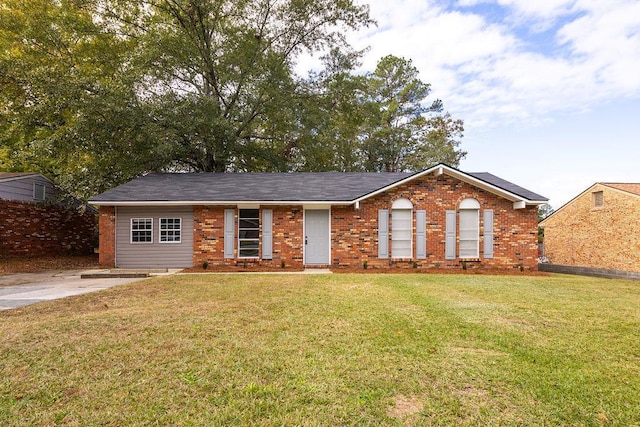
{"x": 17, "y": 290}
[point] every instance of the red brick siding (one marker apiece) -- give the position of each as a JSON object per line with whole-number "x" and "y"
{"x": 354, "y": 232}
{"x": 107, "y": 227}
{"x": 208, "y": 239}
{"x": 41, "y": 229}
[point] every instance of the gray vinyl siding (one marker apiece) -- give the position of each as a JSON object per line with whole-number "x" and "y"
{"x": 154, "y": 254}
{"x": 22, "y": 188}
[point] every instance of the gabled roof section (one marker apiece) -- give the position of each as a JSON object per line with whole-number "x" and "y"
{"x": 631, "y": 188}
{"x": 287, "y": 188}
{"x": 483, "y": 180}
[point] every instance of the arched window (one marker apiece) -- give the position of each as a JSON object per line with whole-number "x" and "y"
{"x": 469, "y": 228}
{"x": 401, "y": 226}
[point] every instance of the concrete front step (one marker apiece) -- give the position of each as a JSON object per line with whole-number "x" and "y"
{"x": 110, "y": 275}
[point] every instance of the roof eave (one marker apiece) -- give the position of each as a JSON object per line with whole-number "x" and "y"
{"x": 217, "y": 202}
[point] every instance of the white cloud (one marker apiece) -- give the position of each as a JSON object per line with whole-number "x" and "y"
{"x": 489, "y": 72}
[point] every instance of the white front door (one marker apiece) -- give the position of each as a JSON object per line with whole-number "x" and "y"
{"x": 317, "y": 247}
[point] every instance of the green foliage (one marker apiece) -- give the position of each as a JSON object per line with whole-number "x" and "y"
{"x": 94, "y": 93}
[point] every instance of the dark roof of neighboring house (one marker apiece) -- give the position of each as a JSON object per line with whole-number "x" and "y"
{"x": 629, "y": 187}
{"x": 14, "y": 175}
{"x": 277, "y": 187}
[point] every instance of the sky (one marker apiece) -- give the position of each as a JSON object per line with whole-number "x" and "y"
{"x": 549, "y": 90}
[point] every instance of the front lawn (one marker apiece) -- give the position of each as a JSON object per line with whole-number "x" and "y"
{"x": 339, "y": 349}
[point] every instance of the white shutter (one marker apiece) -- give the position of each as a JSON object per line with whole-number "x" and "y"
{"x": 229, "y": 227}
{"x": 267, "y": 234}
{"x": 450, "y": 235}
{"x": 488, "y": 233}
{"x": 383, "y": 233}
{"x": 421, "y": 234}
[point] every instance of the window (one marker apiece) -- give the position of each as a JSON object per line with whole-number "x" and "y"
{"x": 469, "y": 228}
{"x": 141, "y": 230}
{"x": 170, "y": 230}
{"x": 248, "y": 233}
{"x": 401, "y": 227}
{"x": 598, "y": 199}
{"x": 39, "y": 191}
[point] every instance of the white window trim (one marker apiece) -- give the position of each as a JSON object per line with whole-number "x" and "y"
{"x": 257, "y": 239}
{"x": 131, "y": 231}
{"x": 160, "y": 230}
{"x": 468, "y": 205}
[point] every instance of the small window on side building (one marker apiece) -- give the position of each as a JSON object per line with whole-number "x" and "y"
{"x": 598, "y": 199}
{"x": 39, "y": 191}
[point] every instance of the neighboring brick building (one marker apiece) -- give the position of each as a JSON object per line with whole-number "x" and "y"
{"x": 32, "y": 224}
{"x": 600, "y": 228}
{"x": 439, "y": 217}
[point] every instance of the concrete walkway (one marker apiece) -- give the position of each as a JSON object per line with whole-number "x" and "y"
{"x": 17, "y": 290}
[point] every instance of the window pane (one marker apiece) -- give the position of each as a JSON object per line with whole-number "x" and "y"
{"x": 249, "y": 213}
{"x": 249, "y": 234}
{"x": 248, "y": 253}
{"x": 170, "y": 230}
{"x": 141, "y": 230}
{"x": 401, "y": 232}
{"x": 248, "y": 244}
{"x": 249, "y": 223}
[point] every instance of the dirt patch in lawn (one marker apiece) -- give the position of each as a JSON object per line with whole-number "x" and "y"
{"x": 10, "y": 265}
{"x": 404, "y": 408}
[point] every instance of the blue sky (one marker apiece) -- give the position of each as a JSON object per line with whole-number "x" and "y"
{"x": 549, "y": 89}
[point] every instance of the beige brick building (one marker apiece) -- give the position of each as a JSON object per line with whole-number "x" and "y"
{"x": 600, "y": 228}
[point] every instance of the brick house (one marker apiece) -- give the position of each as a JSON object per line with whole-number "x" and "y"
{"x": 33, "y": 223}
{"x": 598, "y": 229}
{"x": 438, "y": 217}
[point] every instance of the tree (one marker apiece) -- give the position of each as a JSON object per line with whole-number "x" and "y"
{"x": 401, "y": 133}
{"x": 115, "y": 88}
{"x": 96, "y": 92}
{"x": 68, "y": 108}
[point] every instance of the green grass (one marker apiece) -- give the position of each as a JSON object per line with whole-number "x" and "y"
{"x": 358, "y": 349}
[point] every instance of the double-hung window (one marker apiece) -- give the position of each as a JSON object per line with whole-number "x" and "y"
{"x": 170, "y": 230}
{"x": 469, "y": 228}
{"x": 141, "y": 230}
{"x": 248, "y": 233}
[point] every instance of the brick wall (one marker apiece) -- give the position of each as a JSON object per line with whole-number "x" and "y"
{"x": 606, "y": 237}
{"x": 208, "y": 239}
{"x": 107, "y": 227}
{"x": 354, "y": 233}
{"x": 31, "y": 229}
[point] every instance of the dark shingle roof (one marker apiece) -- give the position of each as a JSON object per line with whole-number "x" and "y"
{"x": 508, "y": 186}
{"x": 272, "y": 187}
{"x": 250, "y": 187}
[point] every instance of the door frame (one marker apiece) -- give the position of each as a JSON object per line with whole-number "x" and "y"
{"x": 326, "y": 208}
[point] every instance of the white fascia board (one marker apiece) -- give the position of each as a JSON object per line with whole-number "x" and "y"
{"x": 31, "y": 175}
{"x": 217, "y": 203}
{"x": 442, "y": 168}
